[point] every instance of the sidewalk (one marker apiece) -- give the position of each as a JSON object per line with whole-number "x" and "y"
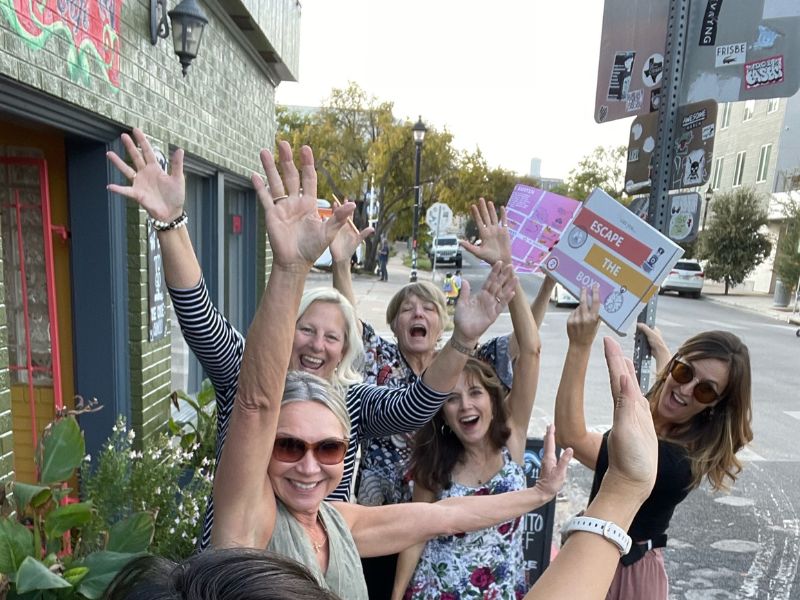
{"x": 753, "y": 301}
{"x": 373, "y": 295}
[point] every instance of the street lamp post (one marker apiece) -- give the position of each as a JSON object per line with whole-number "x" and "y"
{"x": 709, "y": 196}
{"x": 419, "y": 136}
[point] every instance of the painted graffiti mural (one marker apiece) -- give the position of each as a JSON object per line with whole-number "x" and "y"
{"x": 92, "y": 27}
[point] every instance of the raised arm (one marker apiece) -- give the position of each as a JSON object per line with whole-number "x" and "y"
{"x": 162, "y": 195}
{"x": 474, "y": 314}
{"x": 243, "y": 496}
{"x": 216, "y": 344}
{"x": 342, "y": 248}
{"x": 526, "y": 373}
{"x": 409, "y": 558}
{"x": 379, "y": 530}
{"x": 658, "y": 347}
{"x": 496, "y": 246}
{"x": 569, "y": 418}
{"x": 633, "y": 461}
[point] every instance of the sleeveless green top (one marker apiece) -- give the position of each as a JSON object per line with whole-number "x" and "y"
{"x": 344, "y": 576}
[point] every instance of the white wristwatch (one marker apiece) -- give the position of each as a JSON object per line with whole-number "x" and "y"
{"x": 612, "y": 532}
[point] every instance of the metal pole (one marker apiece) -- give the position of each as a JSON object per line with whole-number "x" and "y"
{"x": 415, "y": 224}
{"x": 435, "y": 238}
{"x": 662, "y": 162}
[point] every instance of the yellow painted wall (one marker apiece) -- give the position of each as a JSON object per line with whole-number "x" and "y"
{"x": 51, "y": 144}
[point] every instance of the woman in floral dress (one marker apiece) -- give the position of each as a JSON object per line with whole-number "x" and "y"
{"x": 417, "y": 316}
{"x": 475, "y": 446}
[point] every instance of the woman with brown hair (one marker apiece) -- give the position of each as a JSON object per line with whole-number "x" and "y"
{"x": 475, "y": 446}
{"x": 701, "y": 408}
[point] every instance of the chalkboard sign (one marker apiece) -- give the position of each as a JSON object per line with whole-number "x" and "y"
{"x": 156, "y": 298}
{"x": 537, "y": 533}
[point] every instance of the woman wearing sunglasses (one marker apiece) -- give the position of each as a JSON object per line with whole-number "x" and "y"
{"x": 288, "y": 435}
{"x": 327, "y": 339}
{"x": 700, "y": 403}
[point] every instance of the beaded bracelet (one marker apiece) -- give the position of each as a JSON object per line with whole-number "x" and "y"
{"x": 175, "y": 224}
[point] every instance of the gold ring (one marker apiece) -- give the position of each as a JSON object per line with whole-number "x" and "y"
{"x": 498, "y": 299}
{"x": 280, "y": 198}
{"x": 135, "y": 173}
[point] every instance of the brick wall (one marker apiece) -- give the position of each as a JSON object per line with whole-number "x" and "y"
{"x": 223, "y": 112}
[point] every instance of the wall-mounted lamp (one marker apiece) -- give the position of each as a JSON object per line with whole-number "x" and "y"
{"x": 188, "y": 21}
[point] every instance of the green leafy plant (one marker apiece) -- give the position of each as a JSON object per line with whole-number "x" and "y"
{"x": 200, "y": 431}
{"x": 161, "y": 480}
{"x": 734, "y": 243}
{"x": 42, "y": 554}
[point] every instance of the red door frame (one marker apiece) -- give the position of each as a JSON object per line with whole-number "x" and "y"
{"x": 47, "y": 231}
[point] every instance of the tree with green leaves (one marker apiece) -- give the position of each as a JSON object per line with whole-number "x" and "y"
{"x": 603, "y": 168}
{"x": 787, "y": 259}
{"x": 734, "y": 243}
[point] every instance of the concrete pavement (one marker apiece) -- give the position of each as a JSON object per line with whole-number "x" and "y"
{"x": 750, "y": 300}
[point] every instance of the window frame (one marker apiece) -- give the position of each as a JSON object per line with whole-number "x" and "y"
{"x": 763, "y": 163}
{"x": 738, "y": 172}
{"x": 726, "y": 115}
{"x": 719, "y": 163}
{"x": 749, "y": 110}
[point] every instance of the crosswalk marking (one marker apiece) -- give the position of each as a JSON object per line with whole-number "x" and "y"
{"x": 748, "y": 455}
{"x": 721, "y": 325}
{"x": 666, "y": 323}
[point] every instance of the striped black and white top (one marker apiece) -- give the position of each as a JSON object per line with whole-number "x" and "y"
{"x": 374, "y": 411}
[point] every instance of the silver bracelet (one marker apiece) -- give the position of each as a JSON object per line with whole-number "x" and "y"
{"x": 169, "y": 226}
{"x": 459, "y": 347}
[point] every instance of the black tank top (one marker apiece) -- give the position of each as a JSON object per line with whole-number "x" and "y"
{"x": 673, "y": 479}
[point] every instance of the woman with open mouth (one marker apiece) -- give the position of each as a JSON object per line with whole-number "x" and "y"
{"x": 327, "y": 340}
{"x": 700, "y": 403}
{"x": 475, "y": 446}
{"x": 288, "y": 432}
{"x": 417, "y": 316}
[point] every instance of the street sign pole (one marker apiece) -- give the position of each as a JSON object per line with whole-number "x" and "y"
{"x": 436, "y": 237}
{"x": 662, "y": 162}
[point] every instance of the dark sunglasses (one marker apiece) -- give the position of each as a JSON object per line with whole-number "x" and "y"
{"x": 327, "y": 452}
{"x": 683, "y": 373}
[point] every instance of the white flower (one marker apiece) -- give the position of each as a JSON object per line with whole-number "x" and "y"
{"x": 158, "y": 491}
{"x": 131, "y": 435}
{"x": 87, "y": 458}
{"x": 172, "y": 530}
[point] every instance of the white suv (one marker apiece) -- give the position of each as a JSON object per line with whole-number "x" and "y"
{"x": 686, "y": 277}
{"x": 446, "y": 249}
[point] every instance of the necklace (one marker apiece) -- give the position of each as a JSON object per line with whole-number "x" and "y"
{"x": 319, "y": 546}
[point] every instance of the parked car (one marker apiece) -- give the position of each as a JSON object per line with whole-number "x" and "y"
{"x": 686, "y": 277}
{"x": 445, "y": 249}
{"x": 562, "y": 297}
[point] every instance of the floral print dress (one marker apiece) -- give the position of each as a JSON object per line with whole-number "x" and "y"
{"x": 383, "y": 476}
{"x": 483, "y": 564}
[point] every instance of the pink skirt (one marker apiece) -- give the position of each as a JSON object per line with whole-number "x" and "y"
{"x": 646, "y": 579}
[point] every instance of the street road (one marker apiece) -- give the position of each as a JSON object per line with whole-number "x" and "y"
{"x": 745, "y": 544}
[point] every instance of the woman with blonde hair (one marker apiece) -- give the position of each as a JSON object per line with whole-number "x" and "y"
{"x": 701, "y": 408}
{"x": 327, "y": 336}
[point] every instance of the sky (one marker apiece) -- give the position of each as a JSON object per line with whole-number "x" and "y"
{"x": 515, "y": 78}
